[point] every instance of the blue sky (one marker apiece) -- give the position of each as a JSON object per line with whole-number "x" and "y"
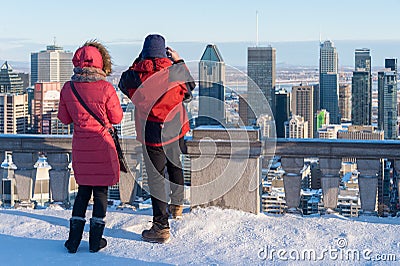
{"x": 207, "y": 20}
{"x": 28, "y": 26}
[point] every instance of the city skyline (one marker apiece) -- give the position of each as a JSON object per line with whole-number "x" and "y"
{"x": 289, "y": 21}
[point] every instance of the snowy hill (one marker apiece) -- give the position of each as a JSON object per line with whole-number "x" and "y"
{"x": 204, "y": 236}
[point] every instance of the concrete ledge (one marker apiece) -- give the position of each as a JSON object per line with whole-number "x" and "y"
{"x": 220, "y": 133}
{"x": 223, "y": 148}
{"x": 360, "y": 149}
{"x": 54, "y": 143}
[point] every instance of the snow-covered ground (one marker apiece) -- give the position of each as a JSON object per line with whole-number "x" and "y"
{"x": 204, "y": 236}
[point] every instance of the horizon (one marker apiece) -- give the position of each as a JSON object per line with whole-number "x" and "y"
{"x": 289, "y": 53}
{"x": 30, "y": 29}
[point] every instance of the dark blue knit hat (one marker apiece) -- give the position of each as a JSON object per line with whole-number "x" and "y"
{"x": 154, "y": 47}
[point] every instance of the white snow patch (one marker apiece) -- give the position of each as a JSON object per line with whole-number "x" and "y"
{"x": 204, "y": 236}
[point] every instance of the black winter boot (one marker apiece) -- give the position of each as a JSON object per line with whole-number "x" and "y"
{"x": 76, "y": 225}
{"x": 96, "y": 242}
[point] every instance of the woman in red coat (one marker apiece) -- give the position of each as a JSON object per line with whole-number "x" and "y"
{"x": 94, "y": 157}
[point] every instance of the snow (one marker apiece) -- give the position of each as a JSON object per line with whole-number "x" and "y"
{"x": 204, "y": 236}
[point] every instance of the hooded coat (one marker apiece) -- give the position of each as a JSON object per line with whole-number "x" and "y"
{"x": 94, "y": 157}
{"x": 157, "y": 88}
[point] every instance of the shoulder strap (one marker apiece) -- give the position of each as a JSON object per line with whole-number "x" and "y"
{"x": 84, "y": 104}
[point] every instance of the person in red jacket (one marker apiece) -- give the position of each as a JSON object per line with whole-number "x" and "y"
{"x": 94, "y": 157}
{"x": 158, "y": 84}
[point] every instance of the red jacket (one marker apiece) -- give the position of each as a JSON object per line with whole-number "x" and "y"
{"x": 94, "y": 157}
{"x": 157, "y": 88}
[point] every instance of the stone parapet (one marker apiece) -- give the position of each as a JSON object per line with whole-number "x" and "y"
{"x": 225, "y": 168}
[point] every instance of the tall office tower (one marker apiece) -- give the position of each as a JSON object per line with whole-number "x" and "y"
{"x": 261, "y": 69}
{"x": 345, "y": 102}
{"x": 10, "y": 82}
{"x": 391, "y": 63}
{"x": 211, "y": 88}
{"x": 362, "y": 88}
{"x": 282, "y": 108}
{"x": 328, "y": 80}
{"x": 302, "y": 104}
{"x": 26, "y": 82}
{"x": 243, "y": 108}
{"x": 51, "y": 65}
{"x": 362, "y": 60}
{"x": 31, "y": 95}
{"x": 296, "y": 128}
{"x": 387, "y": 99}
{"x": 361, "y": 108}
{"x": 45, "y": 109}
{"x": 14, "y": 115}
{"x": 245, "y": 111}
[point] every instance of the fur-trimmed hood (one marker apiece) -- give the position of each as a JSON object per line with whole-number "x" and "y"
{"x": 93, "y": 54}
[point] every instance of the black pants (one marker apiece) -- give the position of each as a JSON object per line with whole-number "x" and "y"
{"x": 83, "y": 197}
{"x": 156, "y": 159}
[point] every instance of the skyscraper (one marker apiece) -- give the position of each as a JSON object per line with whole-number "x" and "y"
{"x": 362, "y": 88}
{"x": 261, "y": 69}
{"x": 211, "y": 88}
{"x": 387, "y": 99}
{"x": 302, "y": 104}
{"x": 362, "y": 60}
{"x": 361, "y": 107}
{"x": 345, "y": 102}
{"x": 14, "y": 115}
{"x": 282, "y": 107}
{"x": 391, "y": 63}
{"x": 10, "y": 82}
{"x": 51, "y": 65}
{"x": 328, "y": 79}
{"x": 45, "y": 108}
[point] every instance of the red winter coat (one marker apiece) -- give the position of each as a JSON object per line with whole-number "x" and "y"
{"x": 157, "y": 88}
{"x": 94, "y": 157}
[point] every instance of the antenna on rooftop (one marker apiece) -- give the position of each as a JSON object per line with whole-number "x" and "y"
{"x": 256, "y": 28}
{"x": 320, "y": 35}
{"x": 54, "y": 40}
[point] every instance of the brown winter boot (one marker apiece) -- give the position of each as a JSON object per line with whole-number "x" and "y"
{"x": 175, "y": 211}
{"x": 158, "y": 233}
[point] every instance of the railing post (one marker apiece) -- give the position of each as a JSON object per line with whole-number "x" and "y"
{"x": 41, "y": 186}
{"x": 368, "y": 184}
{"x": 330, "y": 181}
{"x": 292, "y": 182}
{"x": 7, "y": 181}
{"x": 127, "y": 182}
{"x": 24, "y": 176}
{"x": 3, "y": 160}
{"x": 59, "y": 177}
{"x": 226, "y": 168}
